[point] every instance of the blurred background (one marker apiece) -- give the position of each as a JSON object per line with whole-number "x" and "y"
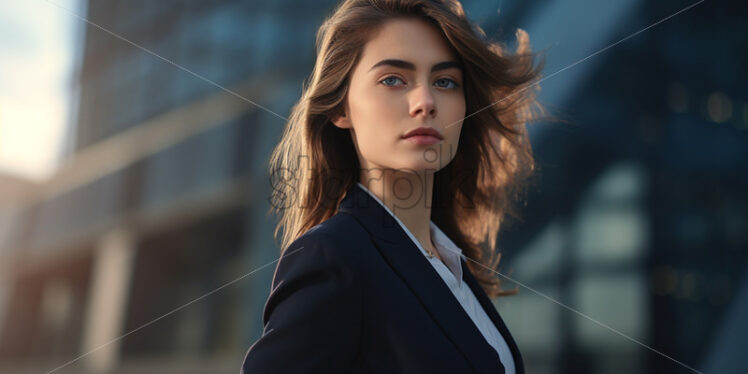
{"x": 132, "y": 183}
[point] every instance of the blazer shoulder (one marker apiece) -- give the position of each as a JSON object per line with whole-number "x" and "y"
{"x": 333, "y": 243}
{"x": 315, "y": 297}
{"x": 340, "y": 234}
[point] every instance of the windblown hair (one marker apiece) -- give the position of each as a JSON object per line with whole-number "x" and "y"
{"x": 315, "y": 162}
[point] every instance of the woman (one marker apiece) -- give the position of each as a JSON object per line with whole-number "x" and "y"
{"x": 395, "y": 171}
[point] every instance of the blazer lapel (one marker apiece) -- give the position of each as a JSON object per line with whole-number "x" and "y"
{"x": 415, "y": 270}
{"x": 494, "y": 315}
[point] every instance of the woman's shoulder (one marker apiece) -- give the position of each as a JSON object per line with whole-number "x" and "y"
{"x": 316, "y": 287}
{"x": 339, "y": 236}
{"x": 340, "y": 230}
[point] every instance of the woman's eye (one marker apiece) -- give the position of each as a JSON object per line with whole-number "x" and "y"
{"x": 391, "y": 81}
{"x": 447, "y": 81}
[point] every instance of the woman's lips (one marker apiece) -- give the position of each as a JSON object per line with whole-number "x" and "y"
{"x": 423, "y": 139}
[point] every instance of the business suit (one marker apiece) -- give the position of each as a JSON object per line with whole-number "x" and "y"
{"x": 355, "y": 295}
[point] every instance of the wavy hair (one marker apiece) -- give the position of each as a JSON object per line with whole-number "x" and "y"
{"x": 315, "y": 162}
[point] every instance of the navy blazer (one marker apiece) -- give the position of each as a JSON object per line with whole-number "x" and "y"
{"x": 354, "y": 294}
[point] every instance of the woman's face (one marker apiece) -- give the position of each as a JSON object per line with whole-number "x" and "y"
{"x": 406, "y": 78}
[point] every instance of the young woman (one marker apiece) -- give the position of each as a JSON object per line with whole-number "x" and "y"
{"x": 392, "y": 178}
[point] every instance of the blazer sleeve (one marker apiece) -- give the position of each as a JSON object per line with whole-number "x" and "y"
{"x": 312, "y": 317}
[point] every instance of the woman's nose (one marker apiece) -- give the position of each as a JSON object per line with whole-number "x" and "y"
{"x": 423, "y": 103}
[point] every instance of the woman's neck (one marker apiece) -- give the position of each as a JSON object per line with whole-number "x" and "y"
{"x": 408, "y": 196}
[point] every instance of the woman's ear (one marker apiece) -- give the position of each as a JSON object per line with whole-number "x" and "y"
{"x": 341, "y": 120}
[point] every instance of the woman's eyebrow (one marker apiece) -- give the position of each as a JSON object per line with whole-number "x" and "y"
{"x": 410, "y": 66}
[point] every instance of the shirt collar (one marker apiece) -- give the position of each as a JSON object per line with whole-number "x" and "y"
{"x": 448, "y": 250}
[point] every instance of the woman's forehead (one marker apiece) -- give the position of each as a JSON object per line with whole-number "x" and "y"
{"x": 410, "y": 40}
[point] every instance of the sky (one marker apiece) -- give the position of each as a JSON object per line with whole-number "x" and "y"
{"x": 37, "y": 53}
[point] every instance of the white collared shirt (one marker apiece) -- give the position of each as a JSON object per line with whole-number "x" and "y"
{"x": 451, "y": 272}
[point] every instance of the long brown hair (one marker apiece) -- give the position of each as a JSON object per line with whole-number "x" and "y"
{"x": 315, "y": 162}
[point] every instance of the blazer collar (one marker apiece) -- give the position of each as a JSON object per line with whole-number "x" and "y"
{"x": 415, "y": 270}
